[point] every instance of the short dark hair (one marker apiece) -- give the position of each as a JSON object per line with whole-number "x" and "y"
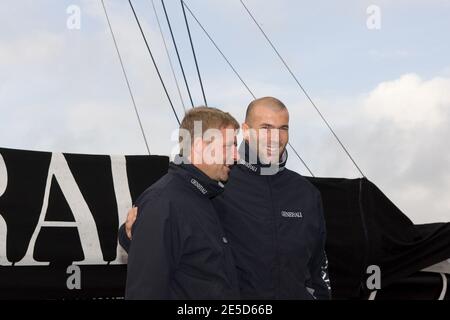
{"x": 267, "y": 101}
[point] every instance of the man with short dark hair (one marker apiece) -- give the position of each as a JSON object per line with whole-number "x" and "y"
{"x": 179, "y": 248}
{"x": 273, "y": 216}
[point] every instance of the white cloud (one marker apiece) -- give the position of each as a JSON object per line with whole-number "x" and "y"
{"x": 39, "y": 48}
{"x": 410, "y": 102}
{"x": 398, "y": 134}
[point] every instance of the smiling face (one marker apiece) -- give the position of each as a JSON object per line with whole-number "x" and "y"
{"x": 208, "y": 141}
{"x": 267, "y": 126}
{"x": 229, "y": 155}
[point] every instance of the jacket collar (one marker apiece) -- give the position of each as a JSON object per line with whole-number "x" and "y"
{"x": 249, "y": 158}
{"x": 198, "y": 180}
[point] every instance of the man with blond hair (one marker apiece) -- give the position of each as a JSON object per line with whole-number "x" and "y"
{"x": 179, "y": 249}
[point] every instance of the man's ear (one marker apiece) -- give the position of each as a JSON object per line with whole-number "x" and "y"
{"x": 197, "y": 150}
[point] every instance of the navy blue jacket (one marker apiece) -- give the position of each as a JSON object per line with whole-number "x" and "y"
{"x": 275, "y": 224}
{"x": 179, "y": 249}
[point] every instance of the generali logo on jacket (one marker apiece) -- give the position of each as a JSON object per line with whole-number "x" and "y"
{"x": 199, "y": 186}
{"x": 291, "y": 214}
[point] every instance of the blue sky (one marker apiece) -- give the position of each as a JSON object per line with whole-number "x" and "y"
{"x": 386, "y": 92}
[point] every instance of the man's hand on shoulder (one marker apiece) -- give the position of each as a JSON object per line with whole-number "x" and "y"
{"x": 131, "y": 218}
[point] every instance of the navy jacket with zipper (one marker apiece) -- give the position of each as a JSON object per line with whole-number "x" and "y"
{"x": 275, "y": 225}
{"x": 274, "y": 221}
{"x": 179, "y": 249}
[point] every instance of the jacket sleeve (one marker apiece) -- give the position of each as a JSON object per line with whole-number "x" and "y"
{"x": 124, "y": 241}
{"x": 152, "y": 256}
{"x": 320, "y": 281}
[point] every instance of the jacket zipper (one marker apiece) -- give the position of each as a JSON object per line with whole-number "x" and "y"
{"x": 225, "y": 250}
{"x": 276, "y": 242}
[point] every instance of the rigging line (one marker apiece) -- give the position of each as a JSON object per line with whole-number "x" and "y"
{"x": 193, "y": 52}
{"x": 301, "y": 87}
{"x": 178, "y": 54}
{"x": 303, "y": 162}
{"x": 154, "y": 62}
{"x": 168, "y": 55}
{"x": 126, "y": 77}
{"x": 239, "y": 76}
{"x": 220, "y": 51}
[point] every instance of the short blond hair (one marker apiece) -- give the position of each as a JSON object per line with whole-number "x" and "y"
{"x": 211, "y": 118}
